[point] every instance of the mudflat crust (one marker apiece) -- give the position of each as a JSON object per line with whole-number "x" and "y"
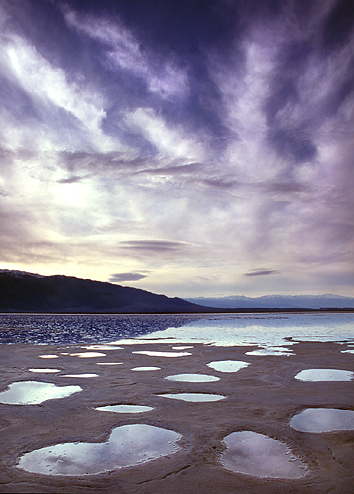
{"x": 261, "y": 397}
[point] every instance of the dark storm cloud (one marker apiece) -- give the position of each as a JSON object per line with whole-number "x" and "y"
{"x": 120, "y": 277}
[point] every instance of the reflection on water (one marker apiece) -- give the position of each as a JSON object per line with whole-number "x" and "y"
{"x": 228, "y": 365}
{"x": 279, "y": 351}
{"x": 125, "y": 408}
{"x": 109, "y": 363}
{"x": 324, "y": 375}
{"x": 323, "y": 420}
{"x": 258, "y": 455}
{"x": 127, "y": 445}
{"x": 193, "y": 378}
{"x": 80, "y": 375}
{"x": 193, "y": 397}
{"x": 102, "y": 347}
{"x": 87, "y": 354}
{"x": 48, "y": 356}
{"x": 162, "y": 354}
{"x": 145, "y": 369}
{"x": 44, "y": 371}
{"x": 34, "y": 392}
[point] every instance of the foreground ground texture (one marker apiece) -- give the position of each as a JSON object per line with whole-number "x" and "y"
{"x": 261, "y": 397}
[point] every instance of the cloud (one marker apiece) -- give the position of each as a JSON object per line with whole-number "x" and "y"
{"x": 120, "y": 277}
{"x": 124, "y": 52}
{"x": 261, "y": 272}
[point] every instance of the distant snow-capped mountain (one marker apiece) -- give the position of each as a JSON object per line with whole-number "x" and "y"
{"x": 328, "y": 301}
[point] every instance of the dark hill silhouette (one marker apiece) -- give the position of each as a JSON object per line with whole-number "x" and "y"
{"x": 27, "y": 292}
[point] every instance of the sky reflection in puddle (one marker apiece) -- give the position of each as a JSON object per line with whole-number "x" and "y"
{"x": 85, "y": 376}
{"x": 125, "y": 408}
{"x": 45, "y": 371}
{"x": 193, "y": 378}
{"x": 48, "y": 356}
{"x": 278, "y": 351}
{"x": 145, "y": 369}
{"x": 162, "y": 354}
{"x": 109, "y": 363}
{"x": 323, "y": 420}
{"x": 193, "y": 397}
{"x": 102, "y": 347}
{"x": 228, "y": 365}
{"x": 324, "y": 375}
{"x": 127, "y": 446}
{"x": 87, "y": 354}
{"x": 258, "y": 455}
{"x": 34, "y": 392}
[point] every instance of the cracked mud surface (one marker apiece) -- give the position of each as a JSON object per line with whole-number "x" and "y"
{"x": 261, "y": 397}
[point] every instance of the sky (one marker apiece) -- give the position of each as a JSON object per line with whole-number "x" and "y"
{"x": 185, "y": 147}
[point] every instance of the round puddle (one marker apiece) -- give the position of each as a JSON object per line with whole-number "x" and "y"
{"x": 162, "y": 354}
{"x": 228, "y": 365}
{"x": 258, "y": 455}
{"x": 34, "y": 393}
{"x": 145, "y": 369}
{"x": 193, "y": 397}
{"x": 193, "y": 378}
{"x": 324, "y": 375}
{"x": 323, "y": 420}
{"x": 127, "y": 446}
{"x": 125, "y": 408}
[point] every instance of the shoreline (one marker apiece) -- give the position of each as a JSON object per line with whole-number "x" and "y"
{"x": 262, "y": 398}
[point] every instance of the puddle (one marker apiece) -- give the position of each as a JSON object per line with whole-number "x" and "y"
{"x": 162, "y": 354}
{"x": 109, "y": 363}
{"x": 193, "y": 378}
{"x": 347, "y": 351}
{"x": 87, "y": 354}
{"x": 102, "y": 347}
{"x": 34, "y": 392}
{"x": 181, "y": 347}
{"x": 228, "y": 365}
{"x": 323, "y": 420}
{"x": 45, "y": 371}
{"x": 48, "y": 356}
{"x": 258, "y": 455}
{"x": 193, "y": 397}
{"x": 278, "y": 351}
{"x": 324, "y": 375}
{"x": 143, "y": 369}
{"x": 125, "y": 408}
{"x": 80, "y": 375}
{"x": 127, "y": 446}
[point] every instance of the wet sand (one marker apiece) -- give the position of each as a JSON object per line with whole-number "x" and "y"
{"x": 262, "y": 397}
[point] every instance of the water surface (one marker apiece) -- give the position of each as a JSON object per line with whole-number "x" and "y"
{"x": 127, "y": 446}
{"x": 323, "y": 420}
{"x": 193, "y": 397}
{"x": 259, "y": 455}
{"x": 35, "y": 392}
{"x": 228, "y": 365}
{"x": 324, "y": 375}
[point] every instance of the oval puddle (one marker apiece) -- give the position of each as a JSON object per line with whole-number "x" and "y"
{"x": 85, "y": 376}
{"x": 151, "y": 353}
{"x": 193, "y": 397}
{"x": 323, "y": 420}
{"x": 145, "y": 369}
{"x": 193, "y": 378}
{"x": 127, "y": 446}
{"x": 255, "y": 454}
{"x": 34, "y": 393}
{"x": 324, "y": 375}
{"x": 125, "y": 408}
{"x": 44, "y": 371}
{"x": 228, "y": 365}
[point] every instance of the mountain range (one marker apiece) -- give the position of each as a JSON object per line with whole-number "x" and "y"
{"x": 328, "y": 301}
{"x": 21, "y": 291}
{"x": 28, "y": 292}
